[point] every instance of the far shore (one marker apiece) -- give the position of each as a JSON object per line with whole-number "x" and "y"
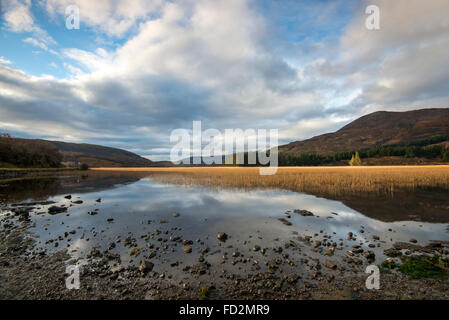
{"x": 10, "y": 173}
{"x": 195, "y": 168}
{"x": 38, "y": 169}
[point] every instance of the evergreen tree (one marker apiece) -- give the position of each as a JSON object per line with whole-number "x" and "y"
{"x": 351, "y": 162}
{"x": 355, "y": 160}
{"x": 446, "y": 155}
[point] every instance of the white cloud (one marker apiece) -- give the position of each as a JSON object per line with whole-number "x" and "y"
{"x": 217, "y": 46}
{"x": 403, "y": 23}
{"x": 40, "y": 44}
{"x": 17, "y": 15}
{"x": 399, "y": 67}
{"x": 18, "y": 18}
{"x": 100, "y": 60}
{"x": 113, "y": 17}
{"x": 4, "y": 61}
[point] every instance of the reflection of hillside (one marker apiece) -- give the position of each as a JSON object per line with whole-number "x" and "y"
{"x": 426, "y": 206}
{"x": 22, "y": 189}
{"x": 41, "y": 188}
{"x": 387, "y": 204}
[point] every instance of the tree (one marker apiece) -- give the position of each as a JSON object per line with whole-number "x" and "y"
{"x": 446, "y": 155}
{"x": 355, "y": 160}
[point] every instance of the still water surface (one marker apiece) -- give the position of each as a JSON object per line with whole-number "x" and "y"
{"x": 143, "y": 209}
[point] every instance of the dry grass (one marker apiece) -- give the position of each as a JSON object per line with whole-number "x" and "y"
{"x": 317, "y": 180}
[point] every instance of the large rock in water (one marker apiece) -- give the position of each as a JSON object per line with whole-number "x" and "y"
{"x": 304, "y": 213}
{"x": 56, "y": 210}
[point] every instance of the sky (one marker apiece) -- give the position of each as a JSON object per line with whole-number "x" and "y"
{"x": 136, "y": 70}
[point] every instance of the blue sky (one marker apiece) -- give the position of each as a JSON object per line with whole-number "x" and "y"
{"x": 135, "y": 71}
{"x": 293, "y": 22}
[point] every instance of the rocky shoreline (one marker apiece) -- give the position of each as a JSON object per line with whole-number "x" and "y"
{"x": 305, "y": 267}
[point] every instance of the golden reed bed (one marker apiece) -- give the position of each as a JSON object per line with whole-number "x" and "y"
{"x": 329, "y": 180}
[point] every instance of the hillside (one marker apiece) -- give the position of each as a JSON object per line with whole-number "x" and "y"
{"x": 28, "y": 153}
{"x": 376, "y": 129}
{"x": 17, "y": 152}
{"x": 98, "y": 156}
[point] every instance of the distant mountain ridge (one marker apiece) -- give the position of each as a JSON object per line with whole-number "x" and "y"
{"x": 376, "y": 129}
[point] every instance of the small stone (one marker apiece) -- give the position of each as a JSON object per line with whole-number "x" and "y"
{"x": 176, "y": 214}
{"x": 222, "y": 236}
{"x": 286, "y": 222}
{"x": 330, "y": 251}
{"x": 331, "y": 265}
{"x": 187, "y": 249}
{"x": 369, "y": 255}
{"x": 146, "y": 266}
{"x": 413, "y": 240}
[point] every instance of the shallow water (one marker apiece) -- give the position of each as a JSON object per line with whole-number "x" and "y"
{"x": 139, "y": 206}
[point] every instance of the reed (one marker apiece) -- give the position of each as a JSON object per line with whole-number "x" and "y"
{"x": 317, "y": 180}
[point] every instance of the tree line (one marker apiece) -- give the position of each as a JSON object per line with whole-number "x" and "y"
{"x": 28, "y": 153}
{"x": 413, "y": 149}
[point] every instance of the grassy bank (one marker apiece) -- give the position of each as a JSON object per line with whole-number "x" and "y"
{"x": 8, "y": 173}
{"x": 36, "y": 169}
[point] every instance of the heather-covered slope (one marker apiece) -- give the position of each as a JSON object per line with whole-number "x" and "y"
{"x": 377, "y": 129}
